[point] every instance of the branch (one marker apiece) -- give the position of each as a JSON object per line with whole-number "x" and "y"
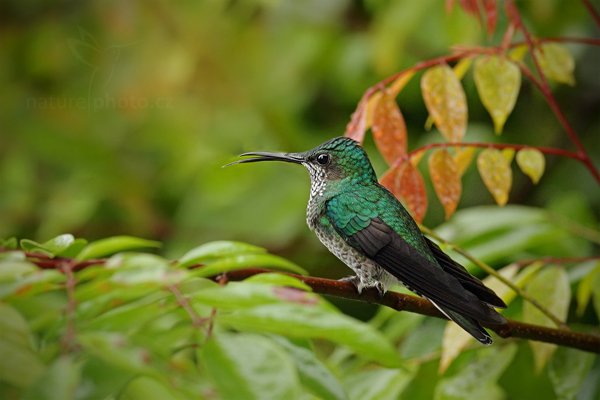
{"x": 546, "y": 150}
{"x": 396, "y": 301}
{"x": 544, "y": 88}
{"x": 403, "y": 302}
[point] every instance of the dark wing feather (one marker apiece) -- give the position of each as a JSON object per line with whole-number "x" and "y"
{"x": 382, "y": 244}
{"x": 467, "y": 280}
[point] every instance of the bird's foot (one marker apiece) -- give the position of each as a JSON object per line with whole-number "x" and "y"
{"x": 359, "y": 284}
{"x": 355, "y": 281}
{"x": 380, "y": 289}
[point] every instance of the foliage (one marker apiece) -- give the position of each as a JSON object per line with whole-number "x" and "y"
{"x": 117, "y": 118}
{"x": 136, "y": 325}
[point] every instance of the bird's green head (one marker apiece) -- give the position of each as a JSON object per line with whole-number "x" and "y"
{"x": 339, "y": 159}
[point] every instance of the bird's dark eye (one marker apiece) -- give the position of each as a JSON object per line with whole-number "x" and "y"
{"x": 323, "y": 158}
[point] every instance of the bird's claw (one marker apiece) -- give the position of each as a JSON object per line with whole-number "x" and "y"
{"x": 360, "y": 285}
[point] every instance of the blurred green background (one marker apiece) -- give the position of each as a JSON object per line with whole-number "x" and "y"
{"x": 116, "y": 116}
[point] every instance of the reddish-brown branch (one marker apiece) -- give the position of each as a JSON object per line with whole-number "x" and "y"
{"x": 69, "y": 342}
{"x": 546, "y": 150}
{"x": 402, "y": 302}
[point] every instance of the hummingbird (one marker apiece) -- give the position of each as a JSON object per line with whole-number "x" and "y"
{"x": 369, "y": 230}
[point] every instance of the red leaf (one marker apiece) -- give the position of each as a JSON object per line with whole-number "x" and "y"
{"x": 445, "y": 177}
{"x": 358, "y": 122}
{"x": 406, "y": 183}
{"x": 389, "y": 129}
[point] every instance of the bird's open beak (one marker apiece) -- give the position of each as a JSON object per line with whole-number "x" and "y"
{"x": 296, "y": 158}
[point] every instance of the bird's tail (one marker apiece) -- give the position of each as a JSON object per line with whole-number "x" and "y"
{"x": 471, "y": 325}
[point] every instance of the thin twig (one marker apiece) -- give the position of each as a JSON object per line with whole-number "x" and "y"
{"x": 546, "y": 150}
{"x": 555, "y": 260}
{"x": 69, "y": 340}
{"x": 544, "y": 88}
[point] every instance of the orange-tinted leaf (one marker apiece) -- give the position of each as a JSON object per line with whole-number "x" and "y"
{"x": 556, "y": 62}
{"x": 532, "y": 163}
{"x": 463, "y": 158}
{"x": 371, "y": 106}
{"x": 358, "y": 122}
{"x": 446, "y": 102}
{"x": 407, "y": 184}
{"x": 399, "y": 83}
{"x": 446, "y": 179}
{"x": 498, "y": 81}
{"x": 389, "y": 129}
{"x": 496, "y": 174}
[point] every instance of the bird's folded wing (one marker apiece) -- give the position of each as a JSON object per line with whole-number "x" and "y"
{"x": 382, "y": 244}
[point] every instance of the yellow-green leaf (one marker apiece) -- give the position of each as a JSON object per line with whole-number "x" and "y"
{"x": 557, "y": 62}
{"x": 509, "y": 154}
{"x": 518, "y": 52}
{"x": 552, "y": 289}
{"x": 446, "y": 101}
{"x": 446, "y": 180}
{"x": 389, "y": 129}
{"x": 496, "y": 174}
{"x": 463, "y": 158}
{"x": 498, "y": 81}
{"x": 532, "y": 163}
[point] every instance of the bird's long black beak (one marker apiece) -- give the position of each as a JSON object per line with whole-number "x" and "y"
{"x": 296, "y": 158}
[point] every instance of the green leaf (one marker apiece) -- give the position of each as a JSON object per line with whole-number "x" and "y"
{"x": 115, "y": 244}
{"x": 116, "y": 350}
{"x": 140, "y": 268}
{"x": 551, "y": 288}
{"x": 145, "y": 388}
{"x": 498, "y": 81}
{"x": 249, "y": 367}
{"x": 378, "y": 384}
{"x": 477, "y": 380}
{"x": 314, "y": 375}
{"x": 557, "y": 62}
{"x": 216, "y": 250}
{"x": 236, "y": 295}
{"x": 244, "y": 261}
{"x": 532, "y": 163}
{"x": 59, "y": 381}
{"x": 63, "y": 245}
{"x": 567, "y": 371}
{"x": 21, "y": 366}
{"x": 274, "y": 278}
{"x": 310, "y": 321}
{"x": 10, "y": 243}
